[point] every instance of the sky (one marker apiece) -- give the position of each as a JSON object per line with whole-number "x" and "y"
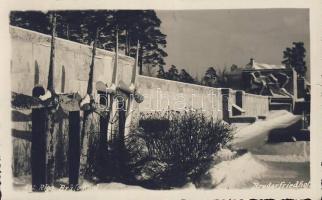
{"x": 198, "y": 39}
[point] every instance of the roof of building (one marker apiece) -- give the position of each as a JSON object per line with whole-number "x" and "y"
{"x": 255, "y": 65}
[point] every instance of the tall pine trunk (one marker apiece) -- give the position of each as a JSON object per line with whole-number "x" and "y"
{"x": 51, "y": 126}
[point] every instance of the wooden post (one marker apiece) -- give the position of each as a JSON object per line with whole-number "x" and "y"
{"x": 51, "y": 133}
{"x": 225, "y": 104}
{"x": 74, "y": 149}
{"x": 38, "y": 144}
{"x": 38, "y": 149}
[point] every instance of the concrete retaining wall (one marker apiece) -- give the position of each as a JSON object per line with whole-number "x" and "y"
{"x": 255, "y": 105}
{"x": 162, "y": 95}
{"x": 30, "y": 62}
{"x": 29, "y": 67}
{"x": 30, "y": 53}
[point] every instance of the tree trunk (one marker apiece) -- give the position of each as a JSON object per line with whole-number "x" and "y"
{"x": 102, "y": 159}
{"x": 51, "y": 126}
{"x": 88, "y": 115}
{"x": 67, "y": 31}
{"x": 121, "y": 137}
{"x": 126, "y": 43}
{"x": 50, "y": 85}
{"x": 141, "y": 60}
{"x": 91, "y": 68}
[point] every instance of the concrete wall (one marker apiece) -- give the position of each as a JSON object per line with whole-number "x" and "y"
{"x": 255, "y": 105}
{"x": 30, "y": 53}
{"x": 162, "y": 95}
{"x": 30, "y": 50}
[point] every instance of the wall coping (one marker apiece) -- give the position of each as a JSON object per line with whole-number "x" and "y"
{"x": 200, "y": 86}
{"x": 37, "y": 37}
{"x": 178, "y": 82}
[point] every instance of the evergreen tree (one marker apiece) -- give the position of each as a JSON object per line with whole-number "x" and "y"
{"x": 161, "y": 72}
{"x": 172, "y": 73}
{"x": 233, "y": 67}
{"x": 81, "y": 26}
{"x": 32, "y": 20}
{"x": 210, "y": 78}
{"x": 184, "y": 76}
{"x": 142, "y": 25}
{"x": 295, "y": 57}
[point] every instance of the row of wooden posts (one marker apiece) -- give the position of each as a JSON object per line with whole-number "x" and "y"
{"x": 46, "y": 103}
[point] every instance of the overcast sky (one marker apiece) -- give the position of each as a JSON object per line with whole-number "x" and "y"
{"x": 198, "y": 39}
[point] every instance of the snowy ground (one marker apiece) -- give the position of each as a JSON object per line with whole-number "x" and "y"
{"x": 264, "y": 165}
{"x": 261, "y": 165}
{"x": 255, "y": 135}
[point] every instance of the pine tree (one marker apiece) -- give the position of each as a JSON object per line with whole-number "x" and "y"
{"x": 172, "y": 73}
{"x": 184, "y": 76}
{"x": 80, "y": 26}
{"x": 295, "y": 57}
{"x": 161, "y": 73}
{"x": 210, "y": 78}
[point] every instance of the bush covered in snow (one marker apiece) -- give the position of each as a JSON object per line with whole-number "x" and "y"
{"x": 176, "y": 151}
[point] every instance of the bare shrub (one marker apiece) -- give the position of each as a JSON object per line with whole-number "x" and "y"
{"x": 181, "y": 152}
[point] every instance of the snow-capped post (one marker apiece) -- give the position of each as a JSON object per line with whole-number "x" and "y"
{"x": 38, "y": 144}
{"x": 225, "y": 104}
{"x": 45, "y": 106}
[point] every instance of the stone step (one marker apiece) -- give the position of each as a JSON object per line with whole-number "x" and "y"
{"x": 280, "y": 106}
{"x": 281, "y": 100}
{"x": 242, "y": 119}
{"x": 262, "y": 117}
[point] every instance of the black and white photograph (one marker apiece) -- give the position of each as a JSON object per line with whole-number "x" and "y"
{"x": 159, "y": 99}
